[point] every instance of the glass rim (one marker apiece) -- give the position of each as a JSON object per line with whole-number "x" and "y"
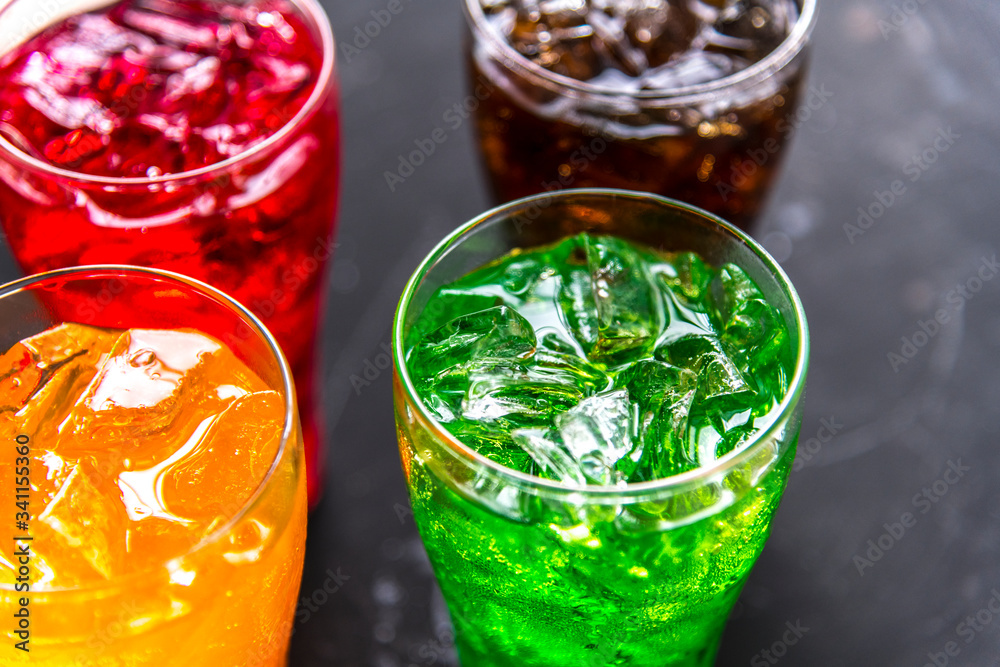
{"x": 256, "y": 327}
{"x": 313, "y": 11}
{"x": 680, "y": 482}
{"x": 776, "y": 60}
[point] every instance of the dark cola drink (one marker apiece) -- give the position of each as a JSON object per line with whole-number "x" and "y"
{"x": 692, "y": 99}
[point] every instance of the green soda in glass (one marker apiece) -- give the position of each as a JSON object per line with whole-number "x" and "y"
{"x": 588, "y": 474}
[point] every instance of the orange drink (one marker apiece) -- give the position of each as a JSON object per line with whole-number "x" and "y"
{"x": 152, "y": 474}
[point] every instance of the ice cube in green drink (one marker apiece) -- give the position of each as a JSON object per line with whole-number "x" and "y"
{"x": 692, "y": 354}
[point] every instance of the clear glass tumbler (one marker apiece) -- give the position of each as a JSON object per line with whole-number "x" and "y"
{"x": 696, "y": 128}
{"x": 537, "y": 573}
{"x": 224, "y": 591}
{"x": 255, "y": 220}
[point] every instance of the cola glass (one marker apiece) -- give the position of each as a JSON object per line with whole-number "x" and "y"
{"x": 691, "y": 99}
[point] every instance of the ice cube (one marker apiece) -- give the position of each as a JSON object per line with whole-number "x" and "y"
{"x": 720, "y": 433}
{"x": 548, "y": 451}
{"x": 521, "y": 277}
{"x": 756, "y": 328}
{"x": 494, "y": 444}
{"x": 276, "y": 78}
{"x": 692, "y": 68}
{"x": 520, "y": 393}
{"x": 517, "y": 402}
{"x": 662, "y": 29}
{"x": 764, "y": 22}
{"x": 193, "y": 80}
{"x": 579, "y": 308}
{"x": 589, "y": 444}
{"x": 152, "y": 385}
{"x": 229, "y": 461}
{"x": 597, "y": 434}
{"x": 718, "y": 375}
{"x": 664, "y": 395}
{"x": 207, "y": 480}
{"x": 23, "y": 378}
{"x": 462, "y": 296}
{"x": 728, "y": 291}
{"x": 146, "y": 367}
{"x": 162, "y": 22}
{"x": 565, "y": 366}
{"x": 554, "y": 34}
{"x": 630, "y": 314}
{"x": 613, "y": 45}
{"x": 687, "y": 274}
{"x": 46, "y": 370}
{"x": 50, "y": 405}
{"x": 618, "y": 81}
{"x": 80, "y": 534}
{"x": 495, "y": 333}
{"x": 541, "y": 308}
{"x": 651, "y": 383}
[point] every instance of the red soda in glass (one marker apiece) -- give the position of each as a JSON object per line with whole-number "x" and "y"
{"x": 196, "y": 136}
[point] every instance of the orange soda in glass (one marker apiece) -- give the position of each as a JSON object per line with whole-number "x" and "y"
{"x": 152, "y": 466}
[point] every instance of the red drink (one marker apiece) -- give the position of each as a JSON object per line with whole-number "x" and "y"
{"x": 196, "y": 136}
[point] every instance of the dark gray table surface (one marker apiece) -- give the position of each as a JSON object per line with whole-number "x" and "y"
{"x": 896, "y": 82}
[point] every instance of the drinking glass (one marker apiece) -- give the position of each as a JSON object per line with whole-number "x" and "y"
{"x": 717, "y": 144}
{"x": 537, "y": 573}
{"x": 229, "y": 597}
{"x": 258, "y": 225}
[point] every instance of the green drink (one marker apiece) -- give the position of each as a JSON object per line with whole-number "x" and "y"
{"x": 596, "y": 432}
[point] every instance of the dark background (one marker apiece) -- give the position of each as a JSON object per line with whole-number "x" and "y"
{"x": 892, "y": 91}
{"x": 898, "y": 81}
